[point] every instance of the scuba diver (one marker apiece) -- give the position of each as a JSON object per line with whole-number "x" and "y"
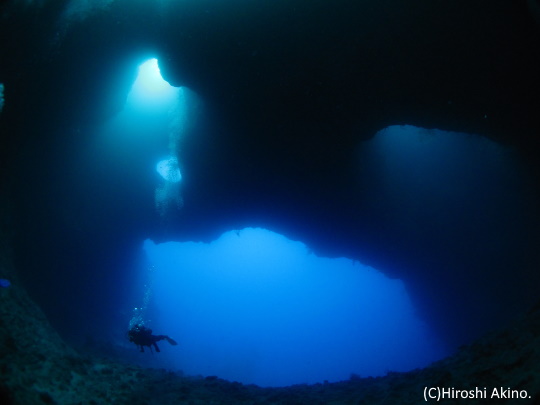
{"x": 142, "y": 336}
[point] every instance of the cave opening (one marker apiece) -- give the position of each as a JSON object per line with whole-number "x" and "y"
{"x": 258, "y": 308}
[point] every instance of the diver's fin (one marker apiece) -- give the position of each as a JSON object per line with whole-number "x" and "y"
{"x": 171, "y": 341}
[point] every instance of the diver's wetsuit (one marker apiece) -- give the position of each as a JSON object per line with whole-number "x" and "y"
{"x": 142, "y": 336}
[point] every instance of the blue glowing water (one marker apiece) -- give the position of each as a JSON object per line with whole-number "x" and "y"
{"x": 256, "y": 307}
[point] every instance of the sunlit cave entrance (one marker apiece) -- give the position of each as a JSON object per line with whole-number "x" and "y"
{"x": 258, "y": 308}
{"x": 144, "y": 140}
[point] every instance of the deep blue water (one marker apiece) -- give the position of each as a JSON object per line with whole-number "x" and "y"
{"x": 256, "y": 307}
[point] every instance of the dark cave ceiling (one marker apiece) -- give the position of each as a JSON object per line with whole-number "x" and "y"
{"x": 290, "y": 89}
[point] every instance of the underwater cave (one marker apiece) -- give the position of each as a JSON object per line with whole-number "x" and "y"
{"x": 338, "y": 201}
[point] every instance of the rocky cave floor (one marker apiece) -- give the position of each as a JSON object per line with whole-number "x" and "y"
{"x": 37, "y": 367}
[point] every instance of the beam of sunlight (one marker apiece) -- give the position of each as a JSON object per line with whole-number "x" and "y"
{"x": 150, "y": 90}
{"x": 154, "y": 119}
